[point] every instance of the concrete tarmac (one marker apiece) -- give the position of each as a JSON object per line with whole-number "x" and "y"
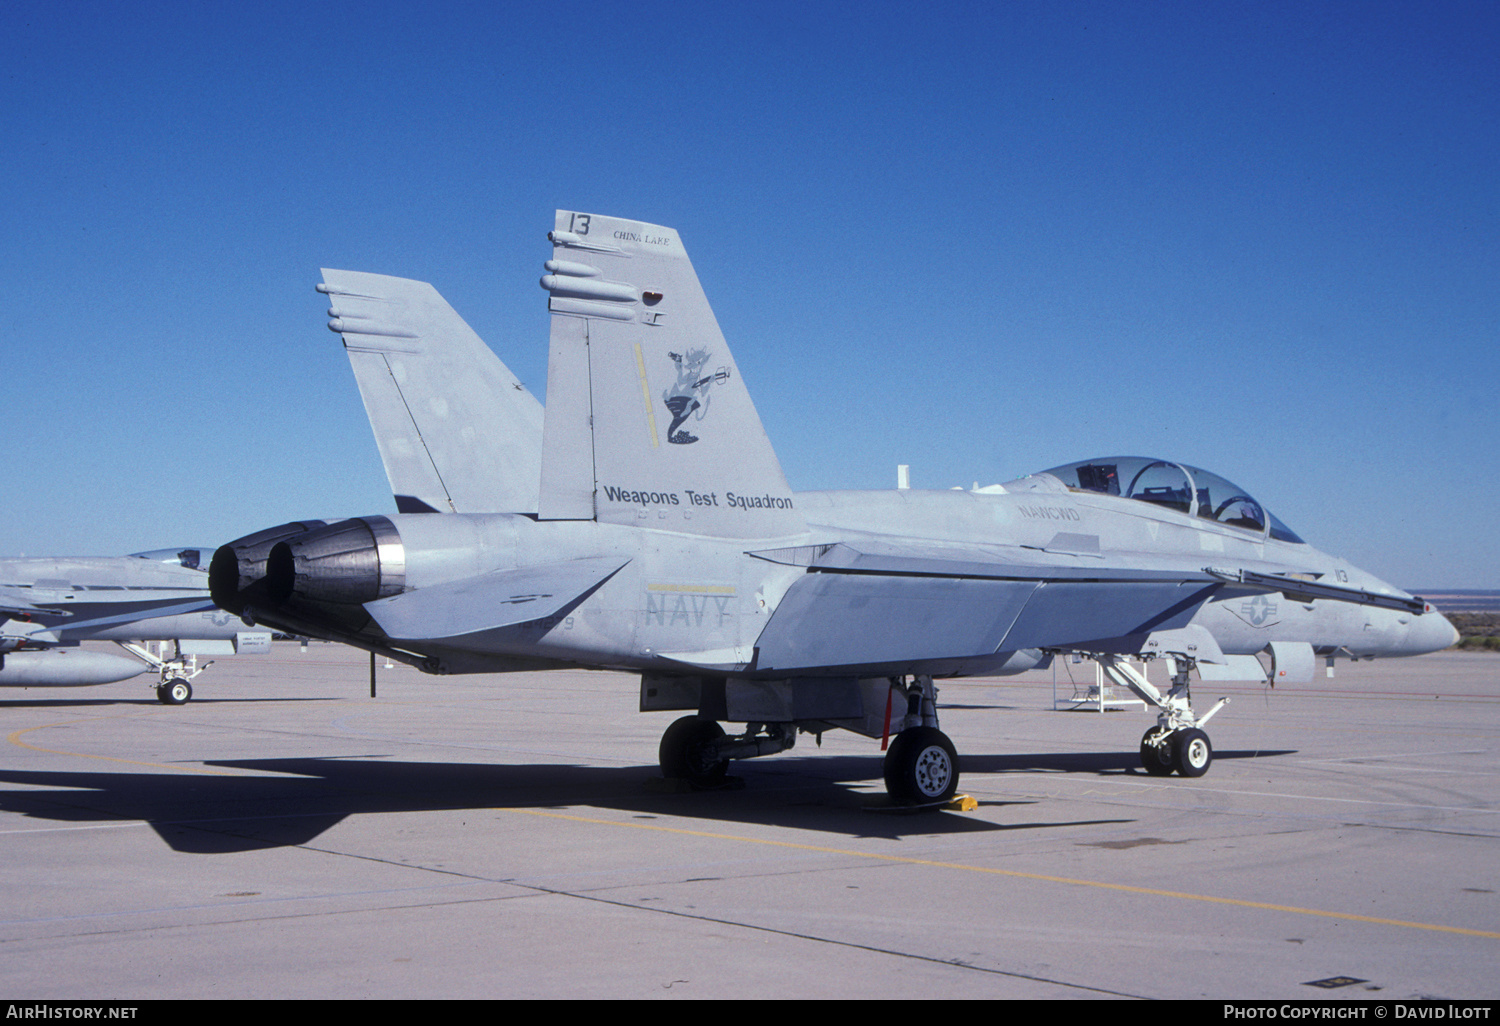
{"x": 286, "y": 836}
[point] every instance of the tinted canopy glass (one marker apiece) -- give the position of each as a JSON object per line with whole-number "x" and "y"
{"x": 1176, "y": 486}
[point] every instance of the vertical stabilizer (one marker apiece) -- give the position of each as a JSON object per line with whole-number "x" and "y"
{"x": 457, "y": 432}
{"x": 648, "y": 420}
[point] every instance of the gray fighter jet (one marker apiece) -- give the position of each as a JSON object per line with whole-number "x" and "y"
{"x": 48, "y": 606}
{"x": 643, "y": 523}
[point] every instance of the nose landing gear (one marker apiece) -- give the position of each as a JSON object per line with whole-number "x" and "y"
{"x": 176, "y": 691}
{"x": 174, "y": 671}
{"x": 1177, "y": 742}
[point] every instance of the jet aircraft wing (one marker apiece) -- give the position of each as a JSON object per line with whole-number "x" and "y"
{"x": 12, "y": 604}
{"x": 866, "y": 606}
{"x": 135, "y": 615}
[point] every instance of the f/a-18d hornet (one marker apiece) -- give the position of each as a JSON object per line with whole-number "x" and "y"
{"x": 641, "y": 522}
{"x": 48, "y": 606}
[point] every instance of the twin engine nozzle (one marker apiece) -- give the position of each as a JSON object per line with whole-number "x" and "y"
{"x": 310, "y": 569}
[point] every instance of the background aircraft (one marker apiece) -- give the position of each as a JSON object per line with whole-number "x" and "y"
{"x": 656, "y": 533}
{"x": 50, "y": 605}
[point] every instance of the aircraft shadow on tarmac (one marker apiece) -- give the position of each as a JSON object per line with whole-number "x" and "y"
{"x": 150, "y": 703}
{"x": 1104, "y": 763}
{"x": 207, "y": 814}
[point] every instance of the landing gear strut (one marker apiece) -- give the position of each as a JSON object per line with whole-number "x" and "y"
{"x": 173, "y": 671}
{"x": 921, "y": 766}
{"x": 698, "y": 751}
{"x": 1156, "y": 752}
{"x": 1177, "y": 742}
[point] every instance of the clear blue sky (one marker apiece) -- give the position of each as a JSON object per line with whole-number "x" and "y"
{"x": 980, "y": 239}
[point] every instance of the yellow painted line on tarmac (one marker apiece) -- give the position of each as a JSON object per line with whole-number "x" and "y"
{"x": 1016, "y": 874}
{"x": 14, "y": 737}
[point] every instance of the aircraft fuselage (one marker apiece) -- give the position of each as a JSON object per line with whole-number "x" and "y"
{"x": 684, "y": 602}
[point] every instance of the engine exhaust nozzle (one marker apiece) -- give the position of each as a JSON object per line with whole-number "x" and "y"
{"x": 348, "y": 563}
{"x": 239, "y": 565}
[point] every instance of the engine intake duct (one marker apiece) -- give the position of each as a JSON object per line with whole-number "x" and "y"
{"x": 238, "y": 566}
{"x": 343, "y": 564}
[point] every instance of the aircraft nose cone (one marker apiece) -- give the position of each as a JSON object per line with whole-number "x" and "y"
{"x": 1453, "y": 635}
{"x": 1431, "y": 632}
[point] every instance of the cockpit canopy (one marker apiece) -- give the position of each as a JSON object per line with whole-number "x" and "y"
{"x": 1177, "y": 486}
{"x": 191, "y": 558}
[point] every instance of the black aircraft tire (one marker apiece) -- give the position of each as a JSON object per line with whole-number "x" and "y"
{"x": 1191, "y": 752}
{"x": 174, "y": 692}
{"x": 683, "y": 753}
{"x": 921, "y": 766}
{"x": 1159, "y": 759}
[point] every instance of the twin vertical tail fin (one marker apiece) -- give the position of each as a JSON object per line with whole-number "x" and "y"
{"x": 648, "y": 421}
{"x": 456, "y": 431}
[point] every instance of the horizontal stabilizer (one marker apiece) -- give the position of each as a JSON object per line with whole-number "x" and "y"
{"x": 501, "y": 599}
{"x": 458, "y": 433}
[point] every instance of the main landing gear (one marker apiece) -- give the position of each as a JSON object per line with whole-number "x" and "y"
{"x": 1177, "y": 742}
{"x": 921, "y": 764}
{"x": 690, "y": 751}
{"x": 698, "y": 751}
